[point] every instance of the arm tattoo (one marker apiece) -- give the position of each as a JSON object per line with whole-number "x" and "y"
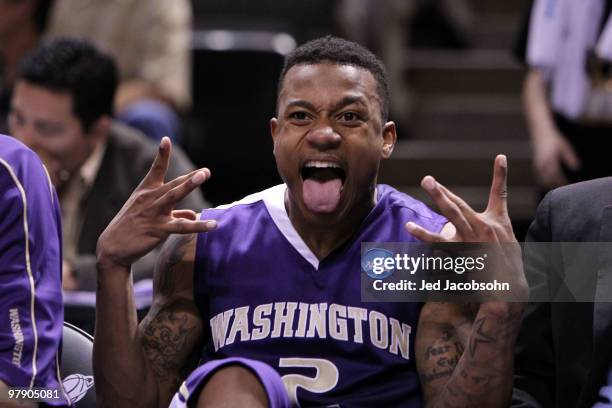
{"x": 482, "y": 376}
{"x": 171, "y": 328}
{"x": 165, "y": 343}
{"x": 442, "y": 355}
{"x": 479, "y": 336}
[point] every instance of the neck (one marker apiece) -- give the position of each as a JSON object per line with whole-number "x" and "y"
{"x": 324, "y": 234}
{"x": 15, "y": 46}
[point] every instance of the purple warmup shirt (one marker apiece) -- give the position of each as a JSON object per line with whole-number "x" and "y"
{"x": 31, "y": 313}
{"x": 265, "y": 296}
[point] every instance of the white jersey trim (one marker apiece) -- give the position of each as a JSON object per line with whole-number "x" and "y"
{"x": 274, "y": 200}
{"x": 250, "y": 199}
{"x": 27, "y": 265}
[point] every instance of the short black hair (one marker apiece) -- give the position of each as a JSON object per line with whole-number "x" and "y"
{"x": 342, "y": 52}
{"x": 77, "y": 67}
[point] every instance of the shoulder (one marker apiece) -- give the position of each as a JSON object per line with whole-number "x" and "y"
{"x": 17, "y": 155}
{"x": 407, "y": 206}
{"x": 124, "y": 140}
{"x": 21, "y": 168}
{"x": 268, "y": 200}
{"x": 575, "y": 210}
{"x": 591, "y": 193}
{"x": 581, "y": 200}
{"x": 26, "y": 192}
{"x": 246, "y": 220}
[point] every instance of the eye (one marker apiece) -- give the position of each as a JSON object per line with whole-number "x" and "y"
{"x": 299, "y": 115}
{"x": 351, "y": 117}
{"x": 48, "y": 129}
{"x": 299, "y": 118}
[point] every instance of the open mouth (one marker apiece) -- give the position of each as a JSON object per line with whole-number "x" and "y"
{"x": 322, "y": 171}
{"x": 322, "y": 183}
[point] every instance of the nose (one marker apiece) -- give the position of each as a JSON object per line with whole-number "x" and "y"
{"x": 324, "y": 137}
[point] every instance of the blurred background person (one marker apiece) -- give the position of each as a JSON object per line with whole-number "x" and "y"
{"x": 31, "y": 310}
{"x": 567, "y": 90}
{"x": 62, "y": 107}
{"x": 21, "y": 25}
{"x": 150, "y": 42}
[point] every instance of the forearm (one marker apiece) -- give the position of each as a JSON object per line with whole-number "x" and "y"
{"x": 483, "y": 375}
{"x": 535, "y": 101}
{"x": 142, "y": 366}
{"x": 120, "y": 366}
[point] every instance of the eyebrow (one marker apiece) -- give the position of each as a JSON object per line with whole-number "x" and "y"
{"x": 347, "y": 100}
{"x": 36, "y": 122}
{"x": 301, "y": 103}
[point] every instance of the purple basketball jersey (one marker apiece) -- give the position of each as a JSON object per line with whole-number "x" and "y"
{"x": 31, "y": 311}
{"x": 264, "y": 295}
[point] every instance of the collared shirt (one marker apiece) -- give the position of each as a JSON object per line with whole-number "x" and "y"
{"x": 561, "y": 32}
{"x": 71, "y": 200}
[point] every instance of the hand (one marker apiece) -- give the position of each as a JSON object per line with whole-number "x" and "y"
{"x": 550, "y": 150}
{"x": 147, "y": 218}
{"x": 491, "y": 226}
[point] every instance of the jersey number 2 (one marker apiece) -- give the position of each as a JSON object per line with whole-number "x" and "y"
{"x": 324, "y": 380}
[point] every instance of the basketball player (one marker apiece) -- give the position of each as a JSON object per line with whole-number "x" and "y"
{"x": 31, "y": 312}
{"x": 264, "y": 293}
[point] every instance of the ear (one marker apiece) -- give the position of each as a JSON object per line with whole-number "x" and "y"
{"x": 389, "y": 138}
{"x": 274, "y": 130}
{"x": 100, "y": 129}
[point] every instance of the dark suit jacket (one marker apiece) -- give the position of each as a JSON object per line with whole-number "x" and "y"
{"x": 126, "y": 161}
{"x": 563, "y": 350}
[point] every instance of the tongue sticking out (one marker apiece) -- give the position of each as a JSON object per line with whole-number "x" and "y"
{"x": 321, "y": 195}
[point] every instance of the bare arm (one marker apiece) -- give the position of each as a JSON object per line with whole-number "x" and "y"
{"x": 464, "y": 362}
{"x": 171, "y": 333}
{"x": 143, "y": 366}
{"x": 535, "y": 101}
{"x": 465, "y": 353}
{"x": 550, "y": 147}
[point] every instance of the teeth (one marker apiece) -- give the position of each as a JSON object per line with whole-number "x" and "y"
{"x": 321, "y": 165}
